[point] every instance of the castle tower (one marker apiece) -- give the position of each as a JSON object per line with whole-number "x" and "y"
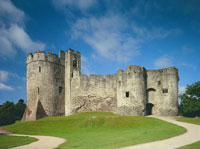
{"x": 131, "y": 91}
{"x": 45, "y": 85}
{"x": 162, "y": 91}
{"x": 72, "y": 73}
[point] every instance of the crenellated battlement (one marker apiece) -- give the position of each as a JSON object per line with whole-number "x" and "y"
{"x": 169, "y": 70}
{"x": 50, "y": 57}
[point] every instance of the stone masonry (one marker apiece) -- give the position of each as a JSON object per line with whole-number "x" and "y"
{"x": 56, "y": 87}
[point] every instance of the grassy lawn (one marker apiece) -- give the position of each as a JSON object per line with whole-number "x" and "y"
{"x": 189, "y": 120}
{"x": 193, "y": 121}
{"x": 13, "y": 141}
{"x": 99, "y": 130}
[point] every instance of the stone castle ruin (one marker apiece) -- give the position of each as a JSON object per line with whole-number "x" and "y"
{"x": 56, "y": 87}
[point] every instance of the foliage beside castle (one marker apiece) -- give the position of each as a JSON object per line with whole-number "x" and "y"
{"x": 56, "y": 87}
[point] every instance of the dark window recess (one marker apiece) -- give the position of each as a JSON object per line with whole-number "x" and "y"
{"x": 38, "y": 90}
{"x": 75, "y": 63}
{"x": 165, "y": 90}
{"x": 119, "y": 83}
{"x": 127, "y": 94}
{"x": 72, "y": 75}
{"x": 60, "y": 89}
{"x": 159, "y": 82}
{"x": 39, "y": 69}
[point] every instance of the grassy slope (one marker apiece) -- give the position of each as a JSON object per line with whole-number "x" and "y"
{"x": 13, "y": 141}
{"x": 193, "y": 121}
{"x": 99, "y": 130}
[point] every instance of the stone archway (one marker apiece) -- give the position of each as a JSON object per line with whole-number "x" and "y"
{"x": 150, "y": 101}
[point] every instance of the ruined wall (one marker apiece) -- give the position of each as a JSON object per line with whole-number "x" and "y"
{"x": 45, "y": 85}
{"x": 162, "y": 91}
{"x": 131, "y": 91}
{"x": 94, "y": 93}
{"x": 83, "y": 93}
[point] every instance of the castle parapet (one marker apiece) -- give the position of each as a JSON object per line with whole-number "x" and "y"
{"x": 50, "y": 57}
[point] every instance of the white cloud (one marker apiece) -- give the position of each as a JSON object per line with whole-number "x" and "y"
{"x": 12, "y": 33}
{"x": 5, "y": 87}
{"x": 181, "y": 89}
{"x": 3, "y": 76}
{"x": 10, "y": 13}
{"x": 153, "y": 33}
{"x": 188, "y": 65}
{"x": 15, "y": 37}
{"x": 85, "y": 66}
{"x": 6, "y": 48}
{"x": 163, "y": 61}
{"x": 106, "y": 35}
{"x": 79, "y": 4}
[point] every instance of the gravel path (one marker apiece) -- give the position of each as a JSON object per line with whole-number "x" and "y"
{"x": 192, "y": 135}
{"x": 44, "y": 142}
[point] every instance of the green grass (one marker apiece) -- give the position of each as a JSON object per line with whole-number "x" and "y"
{"x": 13, "y": 141}
{"x": 189, "y": 120}
{"x": 195, "y": 145}
{"x": 99, "y": 129}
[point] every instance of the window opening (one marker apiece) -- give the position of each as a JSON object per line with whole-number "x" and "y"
{"x": 159, "y": 82}
{"x": 127, "y": 94}
{"x": 164, "y": 90}
{"x": 72, "y": 75}
{"x": 60, "y": 89}
{"x": 39, "y": 69}
{"x": 38, "y": 90}
{"x": 75, "y": 62}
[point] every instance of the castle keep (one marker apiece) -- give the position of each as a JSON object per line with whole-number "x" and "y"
{"x": 56, "y": 87}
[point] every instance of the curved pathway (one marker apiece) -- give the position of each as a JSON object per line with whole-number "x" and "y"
{"x": 192, "y": 135}
{"x": 44, "y": 142}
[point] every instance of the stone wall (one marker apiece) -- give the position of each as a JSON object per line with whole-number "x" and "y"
{"x": 93, "y": 93}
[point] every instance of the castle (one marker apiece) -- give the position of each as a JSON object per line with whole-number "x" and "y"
{"x": 56, "y": 87}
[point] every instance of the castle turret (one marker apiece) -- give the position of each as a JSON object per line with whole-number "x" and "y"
{"x": 72, "y": 73}
{"x": 45, "y": 85}
{"x": 162, "y": 91}
{"x": 131, "y": 91}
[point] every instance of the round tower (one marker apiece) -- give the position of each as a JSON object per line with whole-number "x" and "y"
{"x": 131, "y": 91}
{"x": 45, "y": 85}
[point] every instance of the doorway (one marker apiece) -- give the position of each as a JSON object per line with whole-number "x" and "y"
{"x": 149, "y": 107}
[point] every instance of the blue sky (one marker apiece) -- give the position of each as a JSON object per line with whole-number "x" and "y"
{"x": 110, "y": 34}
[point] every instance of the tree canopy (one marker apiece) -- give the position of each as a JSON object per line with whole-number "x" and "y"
{"x": 10, "y": 112}
{"x": 190, "y": 100}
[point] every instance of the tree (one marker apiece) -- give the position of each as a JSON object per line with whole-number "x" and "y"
{"x": 10, "y": 112}
{"x": 190, "y": 100}
{"x": 19, "y": 109}
{"x": 7, "y": 113}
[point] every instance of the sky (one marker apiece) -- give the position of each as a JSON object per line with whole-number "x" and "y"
{"x": 109, "y": 34}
